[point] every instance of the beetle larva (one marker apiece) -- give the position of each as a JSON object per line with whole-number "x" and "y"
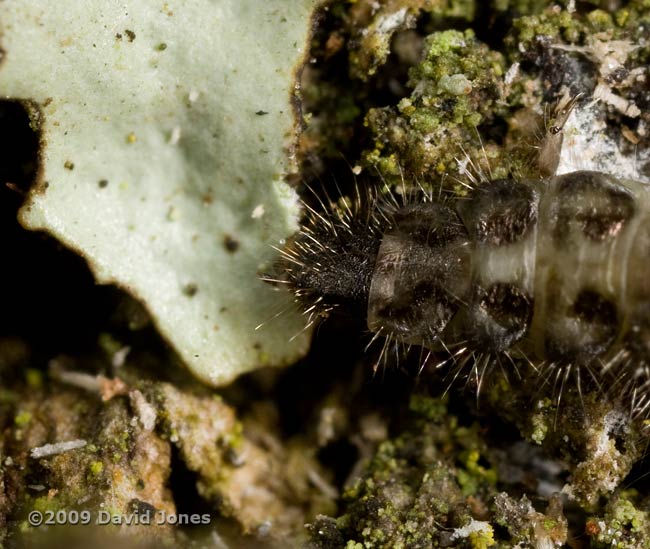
{"x": 549, "y": 270}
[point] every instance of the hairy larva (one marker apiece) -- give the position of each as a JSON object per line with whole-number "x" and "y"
{"x": 552, "y": 271}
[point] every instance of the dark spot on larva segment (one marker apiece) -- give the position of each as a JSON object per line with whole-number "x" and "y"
{"x": 584, "y": 330}
{"x": 231, "y": 244}
{"x": 429, "y": 224}
{"x": 415, "y": 315}
{"x": 190, "y": 290}
{"x": 68, "y": 165}
{"x": 499, "y": 212}
{"x": 501, "y": 315}
{"x": 594, "y": 203}
{"x": 130, "y": 35}
{"x": 103, "y": 183}
{"x": 591, "y": 307}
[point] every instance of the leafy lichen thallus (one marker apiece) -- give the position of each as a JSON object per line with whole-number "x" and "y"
{"x": 551, "y": 270}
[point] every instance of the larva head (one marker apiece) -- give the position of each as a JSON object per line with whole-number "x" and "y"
{"x": 329, "y": 264}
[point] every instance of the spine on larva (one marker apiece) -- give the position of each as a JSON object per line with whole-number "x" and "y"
{"x": 554, "y": 270}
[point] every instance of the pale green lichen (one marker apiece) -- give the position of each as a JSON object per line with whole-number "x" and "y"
{"x": 129, "y": 131}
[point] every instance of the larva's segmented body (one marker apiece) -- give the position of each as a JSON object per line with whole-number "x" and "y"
{"x": 553, "y": 270}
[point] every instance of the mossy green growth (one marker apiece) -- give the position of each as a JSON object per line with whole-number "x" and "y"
{"x": 482, "y": 539}
{"x": 433, "y": 409}
{"x": 473, "y": 475}
{"x": 540, "y": 421}
{"x": 625, "y": 524}
{"x": 22, "y": 418}
{"x": 96, "y": 468}
{"x": 625, "y": 514}
{"x": 34, "y": 378}
{"x": 520, "y": 7}
{"x": 559, "y": 24}
{"x": 556, "y": 25}
{"x": 454, "y": 65}
{"x": 456, "y": 86}
{"x": 371, "y": 45}
{"x": 412, "y": 494}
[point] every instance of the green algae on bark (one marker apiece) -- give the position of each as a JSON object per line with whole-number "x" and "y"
{"x": 425, "y": 488}
{"x": 457, "y": 86}
{"x": 118, "y": 468}
{"x": 624, "y": 524}
{"x": 374, "y": 24}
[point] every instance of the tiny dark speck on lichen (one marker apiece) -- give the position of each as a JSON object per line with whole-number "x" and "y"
{"x": 103, "y": 183}
{"x": 230, "y": 243}
{"x": 190, "y": 289}
{"x": 130, "y": 35}
{"x": 161, "y": 47}
{"x": 261, "y": 113}
{"x": 68, "y": 165}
